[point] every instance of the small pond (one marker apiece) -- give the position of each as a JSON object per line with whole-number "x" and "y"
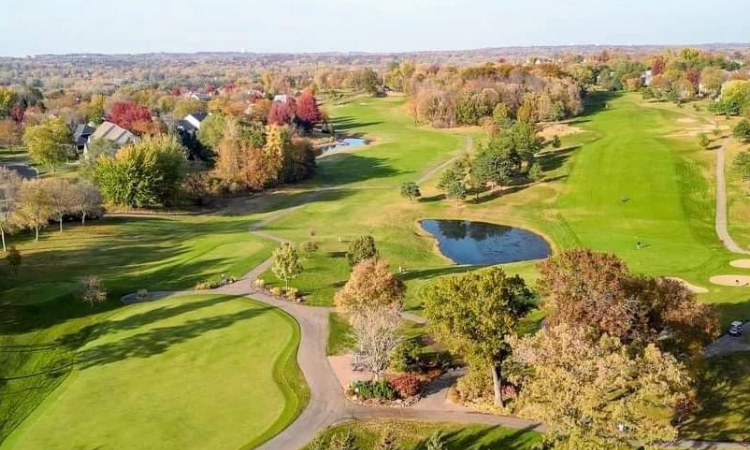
{"x": 344, "y": 144}
{"x": 467, "y": 242}
{"x": 23, "y": 170}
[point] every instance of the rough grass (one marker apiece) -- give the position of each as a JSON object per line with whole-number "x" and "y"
{"x": 413, "y": 435}
{"x": 173, "y": 373}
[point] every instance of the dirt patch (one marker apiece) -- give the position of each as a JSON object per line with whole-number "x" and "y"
{"x": 343, "y": 368}
{"x": 741, "y": 263}
{"x": 551, "y": 130}
{"x": 731, "y": 280}
{"x": 691, "y": 287}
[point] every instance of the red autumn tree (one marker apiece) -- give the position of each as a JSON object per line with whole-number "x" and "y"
{"x": 658, "y": 65}
{"x": 17, "y": 113}
{"x": 308, "y": 113}
{"x": 130, "y": 116}
{"x": 280, "y": 114}
{"x": 694, "y": 77}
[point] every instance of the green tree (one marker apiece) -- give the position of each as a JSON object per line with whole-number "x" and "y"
{"x": 735, "y": 98}
{"x": 410, "y": 190}
{"x": 703, "y": 140}
{"x": 536, "y": 173}
{"x": 360, "y": 249}
{"x": 212, "y": 130}
{"x": 474, "y": 313}
{"x": 48, "y": 142}
{"x": 742, "y": 131}
{"x": 145, "y": 174}
{"x": 14, "y": 259}
{"x": 452, "y": 182}
{"x": 286, "y": 265}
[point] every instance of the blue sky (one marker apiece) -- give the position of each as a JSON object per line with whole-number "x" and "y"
{"x": 136, "y": 26}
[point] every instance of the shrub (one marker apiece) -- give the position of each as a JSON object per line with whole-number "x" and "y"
{"x": 380, "y": 390}
{"x": 203, "y": 286}
{"x": 360, "y": 249}
{"x": 277, "y": 291}
{"x": 406, "y": 356}
{"x": 477, "y": 384}
{"x": 141, "y": 294}
{"x": 292, "y": 293}
{"x": 260, "y": 283}
{"x": 407, "y": 385}
{"x": 309, "y": 247}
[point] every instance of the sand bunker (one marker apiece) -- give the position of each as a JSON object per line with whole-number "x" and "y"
{"x": 558, "y": 129}
{"x": 691, "y": 287}
{"x": 731, "y": 280}
{"x": 741, "y": 263}
{"x": 687, "y": 120}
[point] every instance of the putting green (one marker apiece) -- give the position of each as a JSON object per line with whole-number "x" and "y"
{"x": 215, "y": 370}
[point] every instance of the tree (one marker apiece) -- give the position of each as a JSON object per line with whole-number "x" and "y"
{"x": 309, "y": 247}
{"x": 145, "y": 174}
{"x": 185, "y": 106}
{"x": 10, "y": 133}
{"x": 360, "y": 249}
{"x": 286, "y": 265}
{"x": 742, "y": 131}
{"x": 452, "y": 182}
{"x": 735, "y": 98}
{"x": 35, "y": 207}
{"x": 703, "y": 140}
{"x": 598, "y": 392}
{"x": 376, "y": 329}
{"x": 307, "y": 111}
{"x": 410, "y": 190}
{"x": 10, "y": 187}
{"x": 48, "y": 141}
{"x": 61, "y": 196}
{"x": 436, "y": 442}
{"x": 212, "y": 130}
{"x": 14, "y": 259}
{"x": 7, "y": 98}
{"x": 92, "y": 290}
{"x": 597, "y": 291}
{"x": 474, "y": 313}
{"x": 280, "y": 114}
{"x": 132, "y": 117}
{"x": 370, "y": 284}
{"x": 86, "y": 200}
{"x": 741, "y": 164}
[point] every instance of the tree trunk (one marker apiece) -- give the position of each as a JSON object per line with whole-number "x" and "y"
{"x": 497, "y": 385}
{"x": 2, "y": 233}
{"x": 36, "y": 230}
{"x": 61, "y": 220}
{"x": 83, "y": 219}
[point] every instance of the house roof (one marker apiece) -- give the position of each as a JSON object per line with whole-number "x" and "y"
{"x": 199, "y": 116}
{"x": 113, "y": 133}
{"x": 82, "y": 133}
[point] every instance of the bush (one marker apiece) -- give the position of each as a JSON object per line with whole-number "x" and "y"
{"x": 477, "y": 384}
{"x": 406, "y": 356}
{"x": 380, "y": 390}
{"x": 360, "y": 249}
{"x": 203, "y": 286}
{"x": 260, "y": 283}
{"x": 277, "y": 291}
{"x": 309, "y": 247}
{"x": 292, "y": 293}
{"x": 407, "y": 385}
{"x": 141, "y": 294}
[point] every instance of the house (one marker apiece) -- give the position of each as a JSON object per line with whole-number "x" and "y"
{"x": 81, "y": 135}
{"x": 201, "y": 96}
{"x": 647, "y": 77}
{"x": 114, "y": 133}
{"x": 192, "y": 122}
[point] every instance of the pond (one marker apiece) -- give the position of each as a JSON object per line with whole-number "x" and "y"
{"x": 467, "y": 242}
{"x": 344, "y": 144}
{"x": 23, "y": 170}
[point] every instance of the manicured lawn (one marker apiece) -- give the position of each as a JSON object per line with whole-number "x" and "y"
{"x": 42, "y": 320}
{"x": 176, "y": 373}
{"x": 412, "y": 435}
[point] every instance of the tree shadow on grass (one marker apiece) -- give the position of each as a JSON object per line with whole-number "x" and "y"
{"x": 555, "y": 159}
{"x": 158, "y": 340}
{"x": 479, "y": 438}
{"x": 350, "y": 122}
{"x": 281, "y": 200}
{"x": 347, "y": 168}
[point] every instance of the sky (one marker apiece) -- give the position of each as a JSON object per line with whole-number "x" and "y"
{"x": 140, "y": 26}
